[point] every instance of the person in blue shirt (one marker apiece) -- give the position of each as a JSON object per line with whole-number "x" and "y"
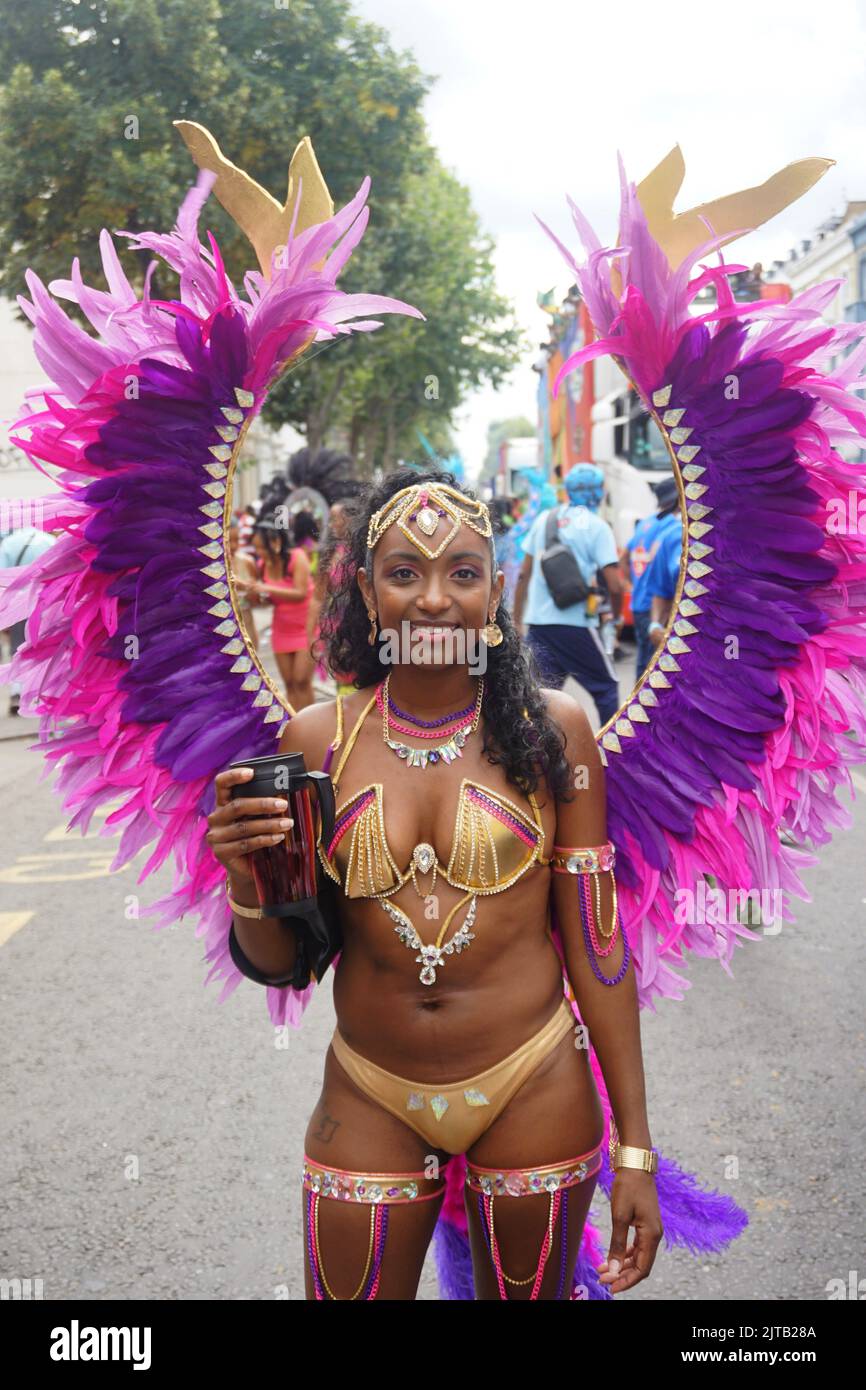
{"x": 663, "y": 574}
{"x": 641, "y": 550}
{"x": 565, "y": 641}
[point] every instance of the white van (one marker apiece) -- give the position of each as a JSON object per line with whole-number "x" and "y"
{"x": 627, "y": 445}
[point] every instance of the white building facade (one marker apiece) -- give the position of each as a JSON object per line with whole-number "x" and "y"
{"x": 835, "y": 251}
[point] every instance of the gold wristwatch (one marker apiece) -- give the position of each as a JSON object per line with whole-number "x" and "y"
{"x": 627, "y": 1156}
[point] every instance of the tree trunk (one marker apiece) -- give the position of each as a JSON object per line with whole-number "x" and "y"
{"x": 318, "y": 419}
{"x": 355, "y": 431}
{"x": 388, "y": 452}
{"x": 372, "y": 434}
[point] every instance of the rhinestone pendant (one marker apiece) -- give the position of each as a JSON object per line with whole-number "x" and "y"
{"x": 427, "y": 521}
{"x": 424, "y": 856}
{"x": 431, "y": 959}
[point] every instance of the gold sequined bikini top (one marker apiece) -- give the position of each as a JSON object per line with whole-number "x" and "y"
{"x": 493, "y": 844}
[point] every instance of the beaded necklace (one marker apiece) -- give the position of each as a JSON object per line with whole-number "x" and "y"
{"x": 445, "y": 727}
{"x": 451, "y": 748}
{"x": 429, "y": 723}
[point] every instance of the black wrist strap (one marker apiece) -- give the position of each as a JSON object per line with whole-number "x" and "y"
{"x": 246, "y": 967}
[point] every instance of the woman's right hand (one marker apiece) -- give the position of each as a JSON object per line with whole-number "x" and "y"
{"x": 237, "y": 827}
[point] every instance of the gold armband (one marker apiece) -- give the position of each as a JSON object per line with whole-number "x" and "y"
{"x": 592, "y": 859}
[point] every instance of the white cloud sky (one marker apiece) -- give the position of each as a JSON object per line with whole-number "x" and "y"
{"x": 533, "y": 101}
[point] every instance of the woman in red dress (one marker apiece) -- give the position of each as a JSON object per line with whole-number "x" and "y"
{"x": 286, "y": 580}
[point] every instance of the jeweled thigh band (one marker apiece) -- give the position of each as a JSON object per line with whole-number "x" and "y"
{"x": 378, "y": 1191}
{"x": 525, "y": 1182}
{"x": 556, "y": 1179}
{"x": 383, "y": 1188}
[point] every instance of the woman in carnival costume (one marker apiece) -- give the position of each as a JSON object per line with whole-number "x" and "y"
{"x": 540, "y": 905}
{"x": 454, "y": 776}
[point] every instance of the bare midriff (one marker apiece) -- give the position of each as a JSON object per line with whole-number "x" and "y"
{"x": 485, "y": 1001}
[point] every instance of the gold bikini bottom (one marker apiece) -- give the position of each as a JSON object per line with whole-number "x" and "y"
{"x": 454, "y": 1116}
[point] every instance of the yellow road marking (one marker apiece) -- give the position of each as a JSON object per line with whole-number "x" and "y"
{"x": 101, "y": 813}
{"x": 11, "y": 922}
{"x": 95, "y": 852}
{"x": 37, "y": 869}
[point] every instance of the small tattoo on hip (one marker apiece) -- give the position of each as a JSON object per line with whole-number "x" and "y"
{"x": 326, "y": 1129}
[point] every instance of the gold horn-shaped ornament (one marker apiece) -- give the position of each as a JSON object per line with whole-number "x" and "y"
{"x": 260, "y": 217}
{"x": 678, "y": 233}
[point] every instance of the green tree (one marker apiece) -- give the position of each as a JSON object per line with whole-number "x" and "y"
{"x": 413, "y": 376}
{"x": 86, "y": 110}
{"x": 93, "y": 88}
{"x": 518, "y": 427}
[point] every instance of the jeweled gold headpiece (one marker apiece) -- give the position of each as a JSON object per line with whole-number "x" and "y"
{"x": 426, "y": 506}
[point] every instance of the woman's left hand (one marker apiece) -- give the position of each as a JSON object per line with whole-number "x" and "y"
{"x": 633, "y": 1202}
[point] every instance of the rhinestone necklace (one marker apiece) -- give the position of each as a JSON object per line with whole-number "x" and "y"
{"x": 446, "y": 752}
{"x": 431, "y": 958}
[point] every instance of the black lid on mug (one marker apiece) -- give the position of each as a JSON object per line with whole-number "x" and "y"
{"x": 290, "y": 767}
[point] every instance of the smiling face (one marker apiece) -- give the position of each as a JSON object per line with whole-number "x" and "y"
{"x": 267, "y": 547}
{"x": 443, "y": 603}
{"x": 259, "y": 545}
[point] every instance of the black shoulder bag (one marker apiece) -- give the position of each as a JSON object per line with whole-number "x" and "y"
{"x": 562, "y": 573}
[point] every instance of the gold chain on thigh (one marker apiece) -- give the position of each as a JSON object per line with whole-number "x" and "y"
{"x": 325, "y": 1283}
{"x": 550, "y": 1225}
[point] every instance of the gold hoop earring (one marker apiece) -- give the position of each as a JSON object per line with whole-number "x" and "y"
{"x": 372, "y": 637}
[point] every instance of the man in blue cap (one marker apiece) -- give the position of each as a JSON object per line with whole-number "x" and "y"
{"x": 565, "y": 641}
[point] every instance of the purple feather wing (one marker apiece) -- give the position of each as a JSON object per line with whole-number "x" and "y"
{"x": 746, "y": 723}
{"x": 135, "y": 660}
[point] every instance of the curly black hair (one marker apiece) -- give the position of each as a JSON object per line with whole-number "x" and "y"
{"x": 519, "y": 733}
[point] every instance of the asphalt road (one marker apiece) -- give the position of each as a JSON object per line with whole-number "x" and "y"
{"x": 154, "y": 1136}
